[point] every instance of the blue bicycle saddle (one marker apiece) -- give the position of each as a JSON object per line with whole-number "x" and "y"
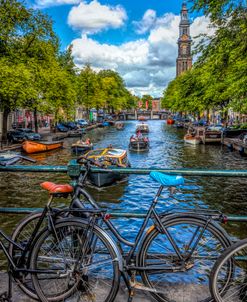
{"x": 167, "y": 180}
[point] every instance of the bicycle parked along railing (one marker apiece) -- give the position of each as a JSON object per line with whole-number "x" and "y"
{"x": 171, "y": 257}
{"x": 228, "y": 282}
{"x": 60, "y": 243}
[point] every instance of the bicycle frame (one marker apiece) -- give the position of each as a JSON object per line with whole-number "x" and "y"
{"x": 151, "y": 214}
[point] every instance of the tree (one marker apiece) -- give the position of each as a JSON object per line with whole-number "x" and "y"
{"x": 218, "y": 78}
{"x": 26, "y": 37}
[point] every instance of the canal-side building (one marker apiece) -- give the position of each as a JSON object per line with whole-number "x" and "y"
{"x": 184, "y": 59}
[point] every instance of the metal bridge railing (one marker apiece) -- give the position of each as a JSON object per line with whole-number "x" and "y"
{"x": 73, "y": 170}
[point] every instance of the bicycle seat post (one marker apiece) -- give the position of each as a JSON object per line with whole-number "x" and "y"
{"x": 49, "y": 200}
{"x": 158, "y": 194}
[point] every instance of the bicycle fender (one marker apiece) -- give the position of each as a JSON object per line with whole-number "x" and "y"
{"x": 203, "y": 218}
{"x": 114, "y": 246}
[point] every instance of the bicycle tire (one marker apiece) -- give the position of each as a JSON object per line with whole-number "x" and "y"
{"x": 74, "y": 283}
{"x": 21, "y": 234}
{"x": 235, "y": 288}
{"x": 194, "y": 274}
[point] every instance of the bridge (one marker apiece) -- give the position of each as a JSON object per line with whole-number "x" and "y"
{"x": 149, "y": 114}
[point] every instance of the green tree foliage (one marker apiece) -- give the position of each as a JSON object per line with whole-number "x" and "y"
{"x": 218, "y": 80}
{"x": 35, "y": 76}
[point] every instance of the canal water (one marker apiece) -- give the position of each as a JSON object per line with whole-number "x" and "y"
{"x": 167, "y": 150}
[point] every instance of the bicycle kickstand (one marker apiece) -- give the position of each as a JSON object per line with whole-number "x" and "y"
{"x": 131, "y": 295}
{"x": 7, "y": 296}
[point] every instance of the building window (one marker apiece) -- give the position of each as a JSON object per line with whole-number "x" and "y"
{"x": 184, "y": 31}
{"x": 184, "y": 16}
{"x": 184, "y": 50}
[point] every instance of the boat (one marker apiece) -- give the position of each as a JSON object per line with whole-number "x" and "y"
{"x": 209, "y": 134}
{"x": 110, "y": 158}
{"x": 170, "y": 121}
{"x": 9, "y": 158}
{"x": 138, "y": 143}
{"x": 192, "y": 139}
{"x": 105, "y": 124}
{"x": 119, "y": 125}
{"x": 35, "y": 147}
{"x": 76, "y": 133}
{"x": 142, "y": 128}
{"x": 81, "y": 147}
{"x": 142, "y": 118}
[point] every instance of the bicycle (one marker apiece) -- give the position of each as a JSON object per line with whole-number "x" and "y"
{"x": 190, "y": 244}
{"x": 228, "y": 280}
{"x": 59, "y": 242}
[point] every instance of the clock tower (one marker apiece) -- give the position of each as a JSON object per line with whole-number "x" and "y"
{"x": 184, "y": 59}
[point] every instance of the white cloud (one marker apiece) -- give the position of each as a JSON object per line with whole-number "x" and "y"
{"x": 94, "y": 17}
{"x": 146, "y": 65}
{"x": 49, "y": 3}
{"x": 146, "y": 23}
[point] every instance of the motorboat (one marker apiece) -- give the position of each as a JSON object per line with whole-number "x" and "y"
{"x": 81, "y": 147}
{"x": 138, "y": 143}
{"x": 192, "y": 139}
{"x": 170, "y": 121}
{"x": 142, "y": 118}
{"x": 119, "y": 125}
{"x": 142, "y": 128}
{"x": 109, "y": 158}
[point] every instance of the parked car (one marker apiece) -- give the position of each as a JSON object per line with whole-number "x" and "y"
{"x": 70, "y": 125}
{"x": 30, "y": 134}
{"x": 82, "y": 123}
{"x": 20, "y": 134}
{"x": 60, "y": 127}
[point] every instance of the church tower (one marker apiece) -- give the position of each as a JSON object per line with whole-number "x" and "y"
{"x": 184, "y": 59}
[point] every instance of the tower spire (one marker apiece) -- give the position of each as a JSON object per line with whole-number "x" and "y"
{"x": 184, "y": 59}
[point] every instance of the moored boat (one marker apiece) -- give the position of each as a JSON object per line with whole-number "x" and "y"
{"x": 109, "y": 157}
{"x": 192, "y": 139}
{"x": 81, "y": 147}
{"x": 142, "y": 118}
{"x": 138, "y": 143}
{"x": 142, "y": 128}
{"x": 119, "y": 125}
{"x": 208, "y": 134}
{"x": 8, "y": 158}
{"x": 35, "y": 147}
{"x": 170, "y": 121}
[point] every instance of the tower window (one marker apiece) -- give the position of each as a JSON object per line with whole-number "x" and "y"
{"x": 185, "y": 31}
{"x": 184, "y": 16}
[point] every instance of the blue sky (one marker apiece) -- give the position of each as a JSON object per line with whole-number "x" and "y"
{"x": 138, "y": 39}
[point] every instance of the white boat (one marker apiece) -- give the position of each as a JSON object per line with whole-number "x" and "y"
{"x": 191, "y": 139}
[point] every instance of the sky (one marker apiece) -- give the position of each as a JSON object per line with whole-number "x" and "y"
{"x": 138, "y": 39}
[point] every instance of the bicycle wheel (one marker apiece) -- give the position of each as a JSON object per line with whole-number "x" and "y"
{"x": 21, "y": 235}
{"x": 230, "y": 287}
{"x": 184, "y": 279}
{"x": 76, "y": 263}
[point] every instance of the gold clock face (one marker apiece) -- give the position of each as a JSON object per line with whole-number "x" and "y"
{"x": 184, "y": 37}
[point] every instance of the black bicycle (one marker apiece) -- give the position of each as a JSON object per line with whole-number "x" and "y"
{"x": 171, "y": 257}
{"x": 55, "y": 239}
{"x": 229, "y": 274}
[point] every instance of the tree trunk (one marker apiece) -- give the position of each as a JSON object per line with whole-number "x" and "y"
{"x": 6, "y": 112}
{"x": 36, "y": 127}
{"x": 207, "y": 116}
